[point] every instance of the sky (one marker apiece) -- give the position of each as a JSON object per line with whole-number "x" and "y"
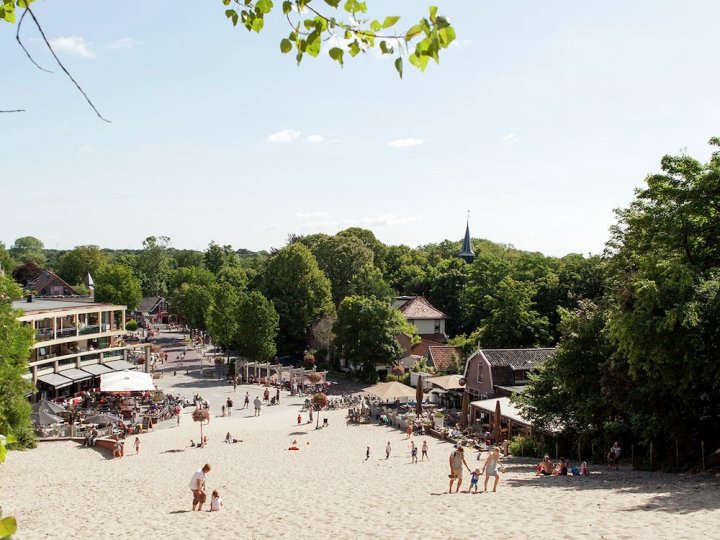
{"x": 539, "y": 121}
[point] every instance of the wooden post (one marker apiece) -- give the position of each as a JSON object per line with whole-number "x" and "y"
{"x": 651, "y": 468}
{"x": 702, "y": 448}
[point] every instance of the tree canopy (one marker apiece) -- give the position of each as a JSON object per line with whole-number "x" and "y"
{"x": 117, "y": 284}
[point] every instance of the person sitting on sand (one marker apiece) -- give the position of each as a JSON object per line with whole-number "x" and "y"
{"x": 228, "y": 438}
{"x": 545, "y": 467}
{"x": 216, "y": 503}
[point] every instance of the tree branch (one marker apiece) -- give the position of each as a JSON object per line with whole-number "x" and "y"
{"x": 17, "y": 37}
{"x": 28, "y": 10}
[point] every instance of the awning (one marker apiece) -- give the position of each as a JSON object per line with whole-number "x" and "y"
{"x": 53, "y": 379}
{"x": 120, "y": 365}
{"x": 447, "y": 382}
{"x": 97, "y": 369}
{"x": 507, "y": 409}
{"x": 391, "y": 390}
{"x": 126, "y": 381}
{"x": 77, "y": 375}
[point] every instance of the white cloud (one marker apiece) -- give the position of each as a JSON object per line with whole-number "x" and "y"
{"x": 284, "y": 136}
{"x": 389, "y": 219}
{"x": 73, "y": 45}
{"x": 311, "y": 215}
{"x": 124, "y": 43}
{"x": 510, "y": 137}
{"x": 314, "y": 139}
{"x": 405, "y": 143}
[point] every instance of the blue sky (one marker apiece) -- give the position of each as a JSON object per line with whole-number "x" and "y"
{"x": 542, "y": 119}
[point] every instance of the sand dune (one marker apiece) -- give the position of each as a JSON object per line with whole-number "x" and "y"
{"x": 327, "y": 489}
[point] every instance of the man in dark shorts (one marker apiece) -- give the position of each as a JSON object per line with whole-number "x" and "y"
{"x": 229, "y": 406}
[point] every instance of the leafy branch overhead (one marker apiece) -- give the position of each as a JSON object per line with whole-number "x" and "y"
{"x": 346, "y": 29}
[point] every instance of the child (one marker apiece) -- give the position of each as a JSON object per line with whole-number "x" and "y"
{"x": 584, "y": 471}
{"x": 299, "y": 419}
{"x": 137, "y": 445}
{"x": 216, "y": 503}
{"x": 474, "y": 478}
{"x": 413, "y": 452}
{"x": 367, "y": 453}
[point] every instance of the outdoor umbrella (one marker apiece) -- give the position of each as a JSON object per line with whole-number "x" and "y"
{"x": 126, "y": 381}
{"x": 419, "y": 396}
{"x": 391, "y": 390}
{"x": 102, "y": 419}
{"x": 464, "y": 411}
{"x": 42, "y": 418}
{"x": 48, "y": 407}
{"x": 497, "y": 433}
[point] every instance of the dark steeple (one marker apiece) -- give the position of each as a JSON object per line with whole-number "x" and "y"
{"x": 467, "y": 253}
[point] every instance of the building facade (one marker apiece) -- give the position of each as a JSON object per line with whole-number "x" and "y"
{"x": 75, "y": 342}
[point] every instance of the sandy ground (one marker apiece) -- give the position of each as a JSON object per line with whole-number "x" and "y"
{"x": 327, "y": 489}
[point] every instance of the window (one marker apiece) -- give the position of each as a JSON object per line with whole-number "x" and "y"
{"x": 437, "y": 327}
{"x": 479, "y": 374}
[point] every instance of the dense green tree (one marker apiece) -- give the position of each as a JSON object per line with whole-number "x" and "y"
{"x": 189, "y": 274}
{"x": 512, "y": 321}
{"x": 26, "y": 273}
{"x": 236, "y": 276}
{"x": 300, "y": 292}
{"x": 7, "y": 264}
{"x": 75, "y": 264}
{"x": 117, "y": 284}
{"x": 218, "y": 257}
{"x": 341, "y": 258}
{"x": 222, "y": 323}
{"x": 153, "y": 265}
{"x": 447, "y": 281}
{"x": 406, "y": 270}
{"x": 191, "y": 303}
{"x": 369, "y": 240}
{"x": 185, "y": 258}
{"x": 28, "y": 249}
{"x": 366, "y": 333}
{"x": 258, "y": 324}
{"x": 665, "y": 278}
{"x": 368, "y": 281}
{"x": 16, "y": 340}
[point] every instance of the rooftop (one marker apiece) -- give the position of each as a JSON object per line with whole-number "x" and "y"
{"x": 441, "y": 356}
{"x": 417, "y": 307}
{"x": 42, "y": 304}
{"x": 517, "y": 358}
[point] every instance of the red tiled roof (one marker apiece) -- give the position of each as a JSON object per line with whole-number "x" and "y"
{"x": 420, "y": 308}
{"x": 440, "y": 355}
{"x": 421, "y": 348}
{"x": 436, "y": 338}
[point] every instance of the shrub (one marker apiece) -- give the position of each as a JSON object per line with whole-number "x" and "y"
{"x": 523, "y": 446}
{"x": 131, "y": 325}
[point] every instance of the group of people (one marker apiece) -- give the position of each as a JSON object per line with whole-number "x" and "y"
{"x": 562, "y": 468}
{"x": 489, "y": 468}
{"x": 197, "y": 486}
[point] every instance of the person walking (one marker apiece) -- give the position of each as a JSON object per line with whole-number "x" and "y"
{"x": 247, "y": 400}
{"x": 388, "y": 449}
{"x": 425, "y": 451}
{"x": 257, "y": 404}
{"x": 197, "y": 486}
{"x": 614, "y": 456}
{"x": 457, "y": 461}
{"x": 299, "y": 419}
{"x": 413, "y": 452}
{"x": 492, "y": 463}
{"x": 137, "y": 445}
{"x": 229, "y": 404}
{"x": 367, "y": 453}
{"x": 277, "y": 396}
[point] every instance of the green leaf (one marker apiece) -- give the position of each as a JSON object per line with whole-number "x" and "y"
{"x": 413, "y": 32}
{"x": 390, "y": 21}
{"x": 385, "y": 49}
{"x": 336, "y": 53}
{"x": 287, "y": 7}
{"x": 354, "y": 49}
{"x": 258, "y": 24}
{"x": 263, "y": 6}
{"x": 419, "y": 61}
{"x": 312, "y": 47}
{"x": 375, "y": 26}
{"x": 446, "y": 36}
{"x": 333, "y": 3}
{"x": 399, "y": 66}
{"x": 8, "y": 526}
{"x": 285, "y": 46}
{"x": 433, "y": 13}
{"x": 3, "y": 453}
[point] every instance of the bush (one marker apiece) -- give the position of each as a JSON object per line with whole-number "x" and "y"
{"x": 131, "y": 325}
{"x": 25, "y": 437}
{"x": 523, "y": 446}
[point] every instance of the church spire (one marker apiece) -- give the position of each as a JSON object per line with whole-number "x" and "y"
{"x": 467, "y": 253}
